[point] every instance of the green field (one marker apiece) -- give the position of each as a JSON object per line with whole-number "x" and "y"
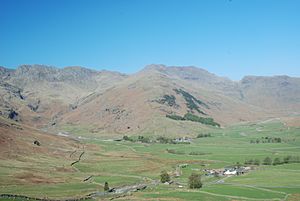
{"x": 122, "y": 163}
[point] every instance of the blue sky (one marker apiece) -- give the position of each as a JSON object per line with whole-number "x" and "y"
{"x": 231, "y": 38}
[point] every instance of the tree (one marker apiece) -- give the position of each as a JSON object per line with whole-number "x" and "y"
{"x": 125, "y": 137}
{"x": 164, "y": 177}
{"x": 276, "y": 161}
{"x": 106, "y": 187}
{"x": 195, "y": 181}
{"x": 267, "y": 161}
{"x": 250, "y": 162}
{"x": 287, "y": 159}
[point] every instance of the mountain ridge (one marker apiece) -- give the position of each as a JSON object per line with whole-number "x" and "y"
{"x": 114, "y": 103}
{"x": 150, "y": 66}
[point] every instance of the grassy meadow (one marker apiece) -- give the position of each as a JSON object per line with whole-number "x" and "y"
{"x": 122, "y": 163}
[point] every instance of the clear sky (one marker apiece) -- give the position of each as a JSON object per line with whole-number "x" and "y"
{"x": 231, "y": 38}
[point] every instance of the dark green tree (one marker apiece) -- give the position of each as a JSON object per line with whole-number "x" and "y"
{"x": 126, "y": 138}
{"x": 276, "y": 161}
{"x": 250, "y": 162}
{"x": 287, "y": 159}
{"x": 195, "y": 181}
{"x": 106, "y": 187}
{"x": 164, "y": 177}
{"x": 267, "y": 161}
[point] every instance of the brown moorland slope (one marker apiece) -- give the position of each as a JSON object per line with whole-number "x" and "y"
{"x": 106, "y": 103}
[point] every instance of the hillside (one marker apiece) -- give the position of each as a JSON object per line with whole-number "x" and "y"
{"x": 60, "y": 133}
{"x": 157, "y": 100}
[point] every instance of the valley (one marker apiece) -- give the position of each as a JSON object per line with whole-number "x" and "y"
{"x": 66, "y": 134}
{"x": 123, "y": 163}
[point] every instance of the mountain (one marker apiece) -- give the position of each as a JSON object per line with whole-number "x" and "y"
{"x": 48, "y": 92}
{"x": 158, "y": 100}
{"x": 280, "y": 94}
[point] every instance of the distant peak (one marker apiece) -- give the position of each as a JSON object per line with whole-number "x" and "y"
{"x": 155, "y": 67}
{"x": 27, "y": 66}
{"x": 79, "y": 69}
{"x": 255, "y": 77}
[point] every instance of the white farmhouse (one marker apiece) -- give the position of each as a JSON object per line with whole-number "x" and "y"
{"x": 230, "y": 172}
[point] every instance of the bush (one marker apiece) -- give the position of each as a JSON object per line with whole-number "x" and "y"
{"x": 164, "y": 177}
{"x": 195, "y": 181}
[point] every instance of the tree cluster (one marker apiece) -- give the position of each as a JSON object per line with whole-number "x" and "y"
{"x": 139, "y": 138}
{"x": 193, "y": 182}
{"x": 191, "y": 117}
{"x": 252, "y": 162}
{"x": 204, "y": 135}
{"x": 277, "y": 161}
{"x": 266, "y": 140}
{"x": 170, "y": 100}
{"x": 192, "y": 102}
